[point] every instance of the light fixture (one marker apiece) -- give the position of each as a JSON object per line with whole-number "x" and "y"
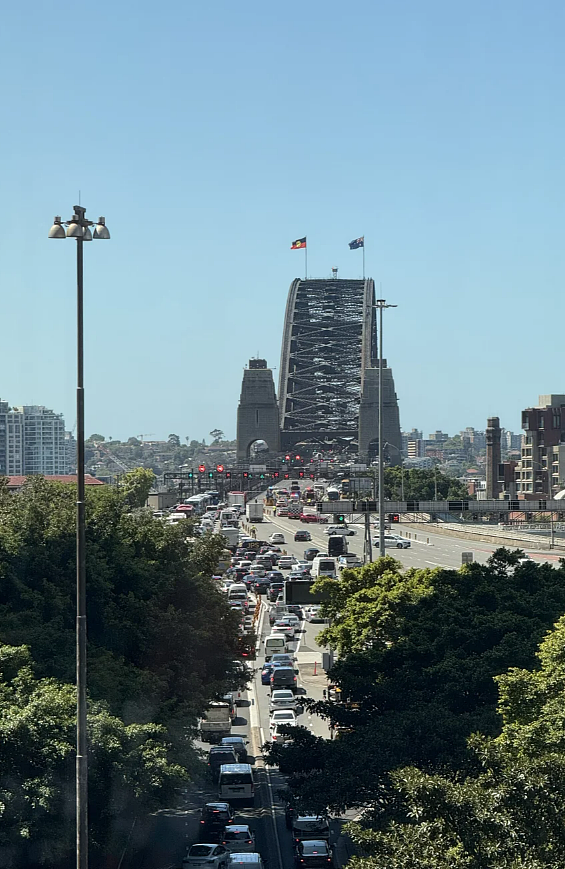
{"x": 74, "y": 229}
{"x": 101, "y": 230}
{"x": 57, "y": 230}
{"x": 87, "y": 235}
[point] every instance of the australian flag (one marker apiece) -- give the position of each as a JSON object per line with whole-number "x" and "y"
{"x": 357, "y": 242}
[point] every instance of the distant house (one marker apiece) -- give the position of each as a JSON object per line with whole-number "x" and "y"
{"x": 16, "y": 483}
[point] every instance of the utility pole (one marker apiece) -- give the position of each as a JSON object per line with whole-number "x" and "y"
{"x": 381, "y": 305}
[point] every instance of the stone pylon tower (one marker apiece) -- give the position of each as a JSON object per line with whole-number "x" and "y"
{"x": 493, "y": 457}
{"x": 258, "y": 411}
{"x": 369, "y": 416}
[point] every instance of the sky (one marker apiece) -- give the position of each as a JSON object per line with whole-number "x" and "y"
{"x": 211, "y": 135}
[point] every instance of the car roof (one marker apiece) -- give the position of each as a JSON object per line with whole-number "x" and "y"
{"x": 235, "y": 767}
{"x": 313, "y": 845}
{"x": 220, "y": 806}
{"x": 240, "y": 827}
{"x": 227, "y": 740}
{"x": 249, "y": 857}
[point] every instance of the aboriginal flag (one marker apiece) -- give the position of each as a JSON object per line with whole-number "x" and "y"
{"x": 299, "y": 244}
{"x": 357, "y": 242}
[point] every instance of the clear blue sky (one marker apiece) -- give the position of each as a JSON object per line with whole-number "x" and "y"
{"x": 211, "y": 135}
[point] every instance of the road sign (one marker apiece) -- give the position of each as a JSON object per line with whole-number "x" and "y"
{"x": 335, "y": 507}
{"x": 258, "y": 469}
{"x": 467, "y": 558}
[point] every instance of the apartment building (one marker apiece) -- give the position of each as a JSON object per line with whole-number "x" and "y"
{"x": 541, "y": 469}
{"x": 32, "y": 441}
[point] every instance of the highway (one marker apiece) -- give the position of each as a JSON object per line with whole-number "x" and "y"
{"x": 163, "y": 845}
{"x": 427, "y": 550}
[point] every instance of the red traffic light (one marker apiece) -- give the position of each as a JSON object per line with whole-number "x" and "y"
{"x": 220, "y": 469}
{"x": 228, "y": 475}
{"x": 301, "y": 473}
{"x": 297, "y": 458}
{"x": 245, "y": 474}
{"x": 201, "y": 468}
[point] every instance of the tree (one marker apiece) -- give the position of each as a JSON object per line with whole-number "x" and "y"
{"x": 420, "y": 485}
{"x": 133, "y": 442}
{"x": 507, "y": 813}
{"x": 161, "y": 638}
{"x": 217, "y": 435}
{"x": 418, "y": 653}
{"x": 174, "y": 440}
{"x": 95, "y": 437}
{"x": 130, "y": 769}
{"x": 135, "y": 486}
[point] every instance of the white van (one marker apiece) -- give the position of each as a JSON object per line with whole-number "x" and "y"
{"x": 245, "y": 860}
{"x": 235, "y": 783}
{"x": 323, "y": 565}
{"x": 237, "y": 591}
{"x": 273, "y": 644}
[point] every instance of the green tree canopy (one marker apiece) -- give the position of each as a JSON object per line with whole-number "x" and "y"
{"x": 508, "y": 814}
{"x": 419, "y": 650}
{"x": 135, "y": 486}
{"x": 131, "y": 770}
{"x": 174, "y": 440}
{"x": 420, "y": 485}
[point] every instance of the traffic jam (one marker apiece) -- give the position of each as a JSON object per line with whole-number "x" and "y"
{"x": 233, "y": 830}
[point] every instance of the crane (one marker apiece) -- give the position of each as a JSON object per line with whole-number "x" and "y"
{"x": 146, "y": 435}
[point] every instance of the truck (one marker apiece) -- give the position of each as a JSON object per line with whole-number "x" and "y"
{"x": 254, "y": 511}
{"x": 231, "y": 535}
{"x": 215, "y": 724}
{"x": 294, "y": 510}
{"x": 236, "y": 499}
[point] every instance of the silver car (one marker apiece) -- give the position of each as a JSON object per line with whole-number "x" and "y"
{"x": 203, "y": 854}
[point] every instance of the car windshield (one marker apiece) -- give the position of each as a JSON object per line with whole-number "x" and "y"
{"x": 201, "y": 850}
{"x": 314, "y": 848}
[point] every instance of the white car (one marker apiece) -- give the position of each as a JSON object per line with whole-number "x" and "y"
{"x": 282, "y": 698}
{"x": 312, "y": 614}
{"x": 286, "y": 562}
{"x": 349, "y": 560}
{"x": 282, "y": 716}
{"x": 239, "y": 838}
{"x": 340, "y": 529}
{"x": 276, "y": 537}
{"x": 243, "y": 565}
{"x": 278, "y": 737}
{"x": 392, "y": 540}
{"x": 283, "y": 628}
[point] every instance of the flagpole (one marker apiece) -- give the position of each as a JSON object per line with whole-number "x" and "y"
{"x": 363, "y": 257}
{"x": 306, "y": 261}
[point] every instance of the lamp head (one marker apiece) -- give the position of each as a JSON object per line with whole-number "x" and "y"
{"x": 87, "y": 235}
{"x": 101, "y": 230}
{"x": 57, "y": 230}
{"x": 74, "y": 229}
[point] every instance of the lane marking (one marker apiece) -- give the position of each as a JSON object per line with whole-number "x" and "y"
{"x": 255, "y": 706}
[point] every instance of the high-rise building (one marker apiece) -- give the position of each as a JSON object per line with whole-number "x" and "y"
{"x": 70, "y": 453}
{"x": 32, "y": 441}
{"x": 541, "y": 469}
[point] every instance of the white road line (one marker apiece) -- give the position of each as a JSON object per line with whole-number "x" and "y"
{"x": 254, "y": 714}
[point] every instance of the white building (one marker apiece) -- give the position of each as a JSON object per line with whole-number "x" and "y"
{"x": 32, "y": 441}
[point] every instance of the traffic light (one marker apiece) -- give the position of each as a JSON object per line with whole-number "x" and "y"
{"x": 250, "y": 476}
{"x": 393, "y": 517}
{"x": 340, "y": 519}
{"x": 286, "y": 476}
{"x": 201, "y": 468}
{"x": 312, "y": 475}
{"x": 261, "y": 476}
{"x": 190, "y": 475}
{"x": 211, "y": 475}
{"x": 228, "y": 475}
{"x": 220, "y": 469}
{"x": 297, "y": 458}
{"x": 276, "y": 475}
{"x": 245, "y": 475}
{"x": 301, "y": 473}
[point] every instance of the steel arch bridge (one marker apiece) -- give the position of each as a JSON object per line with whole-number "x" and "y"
{"x": 328, "y": 391}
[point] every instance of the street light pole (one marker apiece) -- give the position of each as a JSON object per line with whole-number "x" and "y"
{"x": 78, "y": 227}
{"x": 381, "y": 305}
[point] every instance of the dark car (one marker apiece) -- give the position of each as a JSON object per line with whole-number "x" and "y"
{"x": 284, "y": 677}
{"x": 262, "y": 585}
{"x": 214, "y": 817}
{"x": 218, "y": 755}
{"x": 311, "y": 553}
{"x": 275, "y": 589}
{"x": 267, "y": 671}
{"x": 275, "y": 576}
{"x": 313, "y": 852}
{"x": 239, "y": 745}
{"x": 296, "y": 610}
{"x": 302, "y": 535}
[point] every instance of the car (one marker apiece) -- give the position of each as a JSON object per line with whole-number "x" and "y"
{"x": 266, "y": 673}
{"x": 282, "y": 716}
{"x": 311, "y": 553}
{"x": 214, "y": 817}
{"x": 274, "y": 591}
{"x": 261, "y": 585}
{"x": 292, "y": 619}
{"x": 213, "y": 856}
{"x": 295, "y": 574}
{"x": 283, "y": 659}
{"x": 283, "y": 628}
{"x": 258, "y": 572}
{"x": 279, "y": 737}
{"x": 276, "y": 537}
{"x": 286, "y": 562}
{"x": 302, "y": 535}
{"x": 218, "y": 755}
{"x": 349, "y": 560}
{"x": 283, "y": 698}
{"x": 340, "y": 529}
{"x": 244, "y": 564}
{"x": 275, "y": 576}
{"x": 238, "y": 838}
{"x": 312, "y": 614}
{"x": 392, "y": 540}
{"x": 284, "y": 676}
{"x": 296, "y": 610}
{"x": 314, "y": 853}
{"x": 239, "y": 745}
